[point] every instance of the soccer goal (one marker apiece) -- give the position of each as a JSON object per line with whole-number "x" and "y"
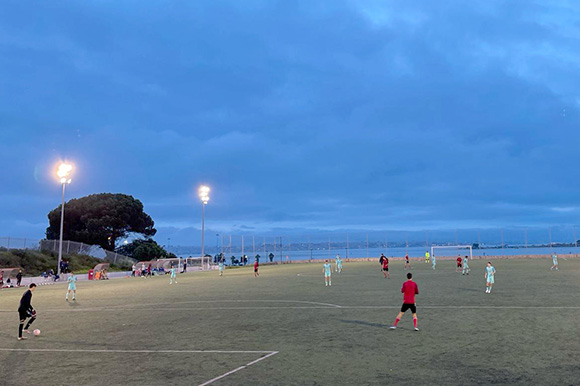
{"x": 198, "y": 263}
{"x": 451, "y": 251}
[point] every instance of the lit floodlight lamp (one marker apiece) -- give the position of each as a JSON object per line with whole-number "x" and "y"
{"x": 64, "y": 171}
{"x": 204, "y": 194}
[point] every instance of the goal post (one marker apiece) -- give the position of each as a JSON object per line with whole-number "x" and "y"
{"x": 451, "y": 250}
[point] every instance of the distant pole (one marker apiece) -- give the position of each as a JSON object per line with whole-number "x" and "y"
{"x": 367, "y": 245}
{"x": 526, "y": 237}
{"x": 242, "y": 248}
{"x": 222, "y": 247}
{"x": 281, "y": 248}
{"x": 64, "y": 172}
{"x": 61, "y": 230}
{"x": 203, "y": 193}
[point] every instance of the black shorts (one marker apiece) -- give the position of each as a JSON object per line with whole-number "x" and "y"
{"x": 386, "y": 269}
{"x": 458, "y": 265}
{"x": 23, "y": 314}
{"x": 255, "y": 269}
{"x": 407, "y": 306}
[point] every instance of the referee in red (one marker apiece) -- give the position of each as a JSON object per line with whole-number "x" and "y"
{"x": 409, "y": 290}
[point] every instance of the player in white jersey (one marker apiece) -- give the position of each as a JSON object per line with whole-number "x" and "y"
{"x": 222, "y": 267}
{"x": 554, "y": 262}
{"x": 72, "y": 286}
{"x": 173, "y": 277}
{"x": 338, "y": 264}
{"x": 489, "y": 277}
{"x": 433, "y": 261}
{"x": 465, "y": 266}
{"x": 327, "y": 270}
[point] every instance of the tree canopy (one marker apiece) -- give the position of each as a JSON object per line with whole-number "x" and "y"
{"x": 101, "y": 219}
{"x": 144, "y": 250}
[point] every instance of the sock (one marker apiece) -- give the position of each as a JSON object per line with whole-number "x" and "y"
{"x": 396, "y": 322}
{"x": 29, "y": 323}
{"x": 20, "y": 327}
{"x": 415, "y": 322}
{"x": 330, "y": 282}
{"x": 66, "y": 296}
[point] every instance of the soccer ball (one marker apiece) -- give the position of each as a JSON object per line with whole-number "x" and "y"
{"x": 36, "y": 332}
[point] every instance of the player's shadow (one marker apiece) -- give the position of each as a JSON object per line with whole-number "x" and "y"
{"x": 73, "y": 304}
{"x": 364, "y": 323}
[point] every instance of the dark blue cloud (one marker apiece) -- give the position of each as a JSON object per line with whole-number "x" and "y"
{"x": 302, "y": 116}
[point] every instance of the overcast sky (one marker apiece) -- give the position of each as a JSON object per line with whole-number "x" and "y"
{"x": 300, "y": 115}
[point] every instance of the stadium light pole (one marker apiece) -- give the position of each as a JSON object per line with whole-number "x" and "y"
{"x": 64, "y": 171}
{"x": 204, "y": 197}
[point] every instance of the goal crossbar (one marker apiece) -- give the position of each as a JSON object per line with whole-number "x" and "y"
{"x": 456, "y": 247}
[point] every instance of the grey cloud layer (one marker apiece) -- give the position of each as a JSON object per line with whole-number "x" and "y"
{"x": 307, "y": 114}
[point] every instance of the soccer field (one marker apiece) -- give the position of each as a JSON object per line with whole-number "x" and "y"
{"x": 286, "y": 328}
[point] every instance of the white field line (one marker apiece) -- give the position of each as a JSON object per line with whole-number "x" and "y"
{"x": 268, "y": 354}
{"x": 238, "y": 369}
{"x": 139, "y": 351}
{"x": 235, "y": 301}
{"x": 303, "y": 308}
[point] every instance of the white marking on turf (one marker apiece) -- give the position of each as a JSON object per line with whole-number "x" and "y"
{"x": 235, "y": 301}
{"x": 238, "y": 369}
{"x": 313, "y": 307}
{"x": 141, "y": 351}
{"x": 268, "y": 354}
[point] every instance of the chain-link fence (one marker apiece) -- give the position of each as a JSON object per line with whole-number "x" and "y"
{"x": 68, "y": 247}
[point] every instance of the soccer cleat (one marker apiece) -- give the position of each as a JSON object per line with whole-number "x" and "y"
{"x": 22, "y": 338}
{"x": 416, "y": 329}
{"x": 393, "y": 327}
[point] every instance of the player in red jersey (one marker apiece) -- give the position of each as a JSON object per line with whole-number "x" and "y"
{"x": 407, "y": 263}
{"x": 256, "y": 268}
{"x": 386, "y": 268}
{"x": 409, "y": 290}
{"x": 459, "y": 265}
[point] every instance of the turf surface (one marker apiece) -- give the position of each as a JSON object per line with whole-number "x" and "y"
{"x": 525, "y": 333}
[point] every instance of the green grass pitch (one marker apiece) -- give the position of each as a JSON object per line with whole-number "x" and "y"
{"x": 287, "y": 328}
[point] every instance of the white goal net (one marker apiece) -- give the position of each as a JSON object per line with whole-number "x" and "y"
{"x": 451, "y": 251}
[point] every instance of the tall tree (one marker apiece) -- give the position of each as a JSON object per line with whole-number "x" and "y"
{"x": 144, "y": 249}
{"x": 101, "y": 219}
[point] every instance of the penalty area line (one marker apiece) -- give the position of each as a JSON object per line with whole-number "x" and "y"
{"x": 239, "y": 368}
{"x": 268, "y": 354}
{"x": 137, "y": 351}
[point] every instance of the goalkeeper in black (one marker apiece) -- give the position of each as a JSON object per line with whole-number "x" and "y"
{"x": 26, "y": 311}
